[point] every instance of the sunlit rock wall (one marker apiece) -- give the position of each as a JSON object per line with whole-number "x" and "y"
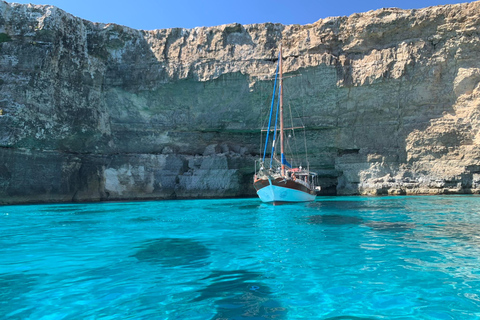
{"x": 89, "y": 111}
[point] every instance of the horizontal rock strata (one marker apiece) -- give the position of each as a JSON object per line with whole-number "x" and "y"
{"x": 88, "y": 111}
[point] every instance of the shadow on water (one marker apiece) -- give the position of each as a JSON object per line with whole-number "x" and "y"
{"x": 349, "y": 318}
{"x": 380, "y": 226}
{"x": 92, "y": 212}
{"x": 461, "y": 231}
{"x": 384, "y": 226}
{"x": 13, "y": 288}
{"x": 339, "y": 219}
{"x": 173, "y": 252}
{"x": 61, "y": 208}
{"x": 65, "y": 223}
{"x": 249, "y": 207}
{"x": 227, "y": 206}
{"x": 240, "y": 294}
{"x": 143, "y": 219}
{"x": 342, "y": 205}
{"x": 75, "y": 209}
{"x": 334, "y": 219}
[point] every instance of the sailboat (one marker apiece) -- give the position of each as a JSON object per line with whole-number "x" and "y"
{"x": 278, "y": 181}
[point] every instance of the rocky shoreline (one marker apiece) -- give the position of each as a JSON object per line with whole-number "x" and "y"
{"x": 390, "y": 100}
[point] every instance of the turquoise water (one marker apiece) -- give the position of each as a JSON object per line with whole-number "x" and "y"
{"x": 337, "y": 258}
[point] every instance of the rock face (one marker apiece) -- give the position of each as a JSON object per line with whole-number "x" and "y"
{"x": 390, "y": 100}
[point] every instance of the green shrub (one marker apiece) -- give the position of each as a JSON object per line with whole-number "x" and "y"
{"x": 5, "y": 37}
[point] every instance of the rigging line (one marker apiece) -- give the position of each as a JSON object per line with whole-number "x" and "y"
{"x": 293, "y": 158}
{"x": 293, "y": 151}
{"x": 297, "y": 154}
{"x": 305, "y": 138}
{"x": 275, "y": 132}
{"x": 304, "y": 129}
{"x": 271, "y": 110}
{"x": 261, "y": 142}
{"x": 306, "y": 153}
{"x": 288, "y": 148}
{"x": 261, "y": 132}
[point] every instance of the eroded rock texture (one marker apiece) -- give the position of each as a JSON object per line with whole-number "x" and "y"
{"x": 89, "y": 111}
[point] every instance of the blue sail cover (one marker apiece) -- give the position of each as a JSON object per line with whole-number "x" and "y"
{"x": 285, "y": 162}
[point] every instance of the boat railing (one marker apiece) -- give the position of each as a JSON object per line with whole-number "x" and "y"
{"x": 306, "y": 184}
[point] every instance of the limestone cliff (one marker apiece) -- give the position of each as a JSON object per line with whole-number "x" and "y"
{"x": 390, "y": 99}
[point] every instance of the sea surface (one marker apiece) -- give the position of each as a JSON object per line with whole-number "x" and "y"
{"x": 338, "y": 258}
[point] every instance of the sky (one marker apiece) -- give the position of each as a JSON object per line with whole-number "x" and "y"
{"x": 161, "y": 14}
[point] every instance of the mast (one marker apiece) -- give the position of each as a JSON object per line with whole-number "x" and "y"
{"x": 282, "y": 157}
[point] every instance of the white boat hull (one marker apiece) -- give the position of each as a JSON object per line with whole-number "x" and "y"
{"x": 273, "y": 193}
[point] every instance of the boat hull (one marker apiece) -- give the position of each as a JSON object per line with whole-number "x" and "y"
{"x": 283, "y": 191}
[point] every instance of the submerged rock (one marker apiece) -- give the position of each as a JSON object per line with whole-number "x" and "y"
{"x": 240, "y": 294}
{"x": 350, "y": 318}
{"x": 334, "y": 219}
{"x": 385, "y": 226}
{"x": 13, "y": 295}
{"x": 173, "y": 252}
